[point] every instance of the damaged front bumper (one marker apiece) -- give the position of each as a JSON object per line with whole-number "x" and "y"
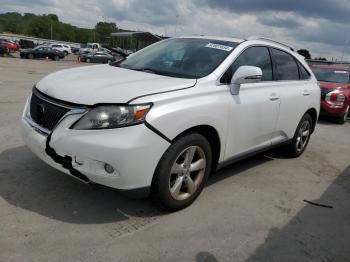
{"x": 133, "y": 152}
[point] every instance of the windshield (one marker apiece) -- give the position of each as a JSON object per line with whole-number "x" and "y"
{"x": 181, "y": 57}
{"x": 331, "y": 75}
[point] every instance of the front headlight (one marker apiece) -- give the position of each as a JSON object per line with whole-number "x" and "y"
{"x": 112, "y": 116}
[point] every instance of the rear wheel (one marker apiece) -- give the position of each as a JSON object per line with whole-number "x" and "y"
{"x": 65, "y": 53}
{"x": 56, "y": 58}
{"x": 182, "y": 172}
{"x": 88, "y": 60}
{"x": 30, "y": 56}
{"x": 301, "y": 137}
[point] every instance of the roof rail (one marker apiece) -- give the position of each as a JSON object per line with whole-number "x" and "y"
{"x": 270, "y": 40}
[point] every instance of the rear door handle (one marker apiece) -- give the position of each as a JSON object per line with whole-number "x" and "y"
{"x": 306, "y": 92}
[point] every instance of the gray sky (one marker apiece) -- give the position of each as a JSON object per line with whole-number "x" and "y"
{"x": 322, "y": 26}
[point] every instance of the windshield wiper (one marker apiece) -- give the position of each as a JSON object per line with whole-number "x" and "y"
{"x": 145, "y": 69}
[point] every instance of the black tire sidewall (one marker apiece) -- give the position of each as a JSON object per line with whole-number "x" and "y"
{"x": 341, "y": 120}
{"x": 160, "y": 186}
{"x": 295, "y": 152}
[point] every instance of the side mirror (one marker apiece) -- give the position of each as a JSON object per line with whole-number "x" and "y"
{"x": 243, "y": 75}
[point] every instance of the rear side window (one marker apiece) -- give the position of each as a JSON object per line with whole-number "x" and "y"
{"x": 253, "y": 56}
{"x": 285, "y": 66}
{"x": 303, "y": 73}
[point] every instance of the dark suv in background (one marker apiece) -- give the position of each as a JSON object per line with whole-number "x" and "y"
{"x": 334, "y": 80}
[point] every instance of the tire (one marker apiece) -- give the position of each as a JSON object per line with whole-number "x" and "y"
{"x": 30, "y": 56}
{"x": 56, "y": 58}
{"x": 109, "y": 61}
{"x": 88, "y": 60}
{"x": 341, "y": 120}
{"x": 300, "y": 140}
{"x": 65, "y": 53}
{"x": 175, "y": 186}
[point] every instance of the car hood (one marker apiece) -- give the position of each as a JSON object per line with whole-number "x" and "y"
{"x": 330, "y": 85}
{"x": 106, "y": 84}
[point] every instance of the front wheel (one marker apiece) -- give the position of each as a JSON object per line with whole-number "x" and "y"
{"x": 301, "y": 137}
{"x": 182, "y": 172}
{"x": 56, "y": 58}
{"x": 341, "y": 120}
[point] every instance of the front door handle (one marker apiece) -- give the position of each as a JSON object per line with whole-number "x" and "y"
{"x": 274, "y": 97}
{"x": 306, "y": 92}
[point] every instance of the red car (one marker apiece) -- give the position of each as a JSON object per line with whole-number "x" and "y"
{"x": 334, "y": 80}
{"x": 11, "y": 46}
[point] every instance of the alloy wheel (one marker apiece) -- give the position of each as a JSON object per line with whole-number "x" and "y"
{"x": 303, "y": 136}
{"x": 187, "y": 172}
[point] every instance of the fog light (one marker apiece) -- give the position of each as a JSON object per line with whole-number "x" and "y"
{"x": 108, "y": 168}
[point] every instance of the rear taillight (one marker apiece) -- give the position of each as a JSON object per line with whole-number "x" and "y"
{"x": 335, "y": 98}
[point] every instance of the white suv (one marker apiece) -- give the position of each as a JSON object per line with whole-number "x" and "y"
{"x": 162, "y": 120}
{"x": 63, "y": 48}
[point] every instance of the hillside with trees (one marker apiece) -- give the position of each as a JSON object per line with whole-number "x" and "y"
{"x": 50, "y": 27}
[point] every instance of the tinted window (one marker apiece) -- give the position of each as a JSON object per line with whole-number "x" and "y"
{"x": 303, "y": 73}
{"x": 285, "y": 66}
{"x": 253, "y": 56}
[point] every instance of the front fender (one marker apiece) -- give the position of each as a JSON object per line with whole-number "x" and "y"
{"x": 174, "y": 116}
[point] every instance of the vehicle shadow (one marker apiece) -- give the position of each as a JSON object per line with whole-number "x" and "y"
{"x": 329, "y": 121}
{"x": 27, "y": 182}
{"x": 206, "y": 257}
{"x": 315, "y": 233}
{"x": 239, "y": 167}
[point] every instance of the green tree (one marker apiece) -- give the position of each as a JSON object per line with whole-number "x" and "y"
{"x": 103, "y": 30}
{"x": 53, "y": 17}
{"x": 305, "y": 53}
{"x": 40, "y": 26}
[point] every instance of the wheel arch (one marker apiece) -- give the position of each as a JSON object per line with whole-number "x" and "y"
{"x": 213, "y": 137}
{"x": 313, "y": 113}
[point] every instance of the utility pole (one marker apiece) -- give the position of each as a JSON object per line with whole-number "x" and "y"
{"x": 177, "y": 18}
{"x": 343, "y": 50}
{"x": 51, "y": 30}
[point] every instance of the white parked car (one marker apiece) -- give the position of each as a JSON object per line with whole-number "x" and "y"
{"x": 64, "y": 48}
{"x": 91, "y": 47}
{"x": 162, "y": 120}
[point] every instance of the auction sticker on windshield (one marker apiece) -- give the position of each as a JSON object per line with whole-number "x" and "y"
{"x": 220, "y": 47}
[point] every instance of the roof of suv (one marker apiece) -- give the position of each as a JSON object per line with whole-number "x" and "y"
{"x": 220, "y": 38}
{"x": 265, "y": 40}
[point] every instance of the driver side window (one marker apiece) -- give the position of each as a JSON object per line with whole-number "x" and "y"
{"x": 253, "y": 56}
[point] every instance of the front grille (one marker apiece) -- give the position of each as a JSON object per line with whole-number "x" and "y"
{"x": 324, "y": 92}
{"x": 46, "y": 113}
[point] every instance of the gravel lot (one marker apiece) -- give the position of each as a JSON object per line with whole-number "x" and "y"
{"x": 250, "y": 211}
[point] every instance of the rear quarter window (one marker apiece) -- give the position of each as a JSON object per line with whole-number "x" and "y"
{"x": 304, "y": 74}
